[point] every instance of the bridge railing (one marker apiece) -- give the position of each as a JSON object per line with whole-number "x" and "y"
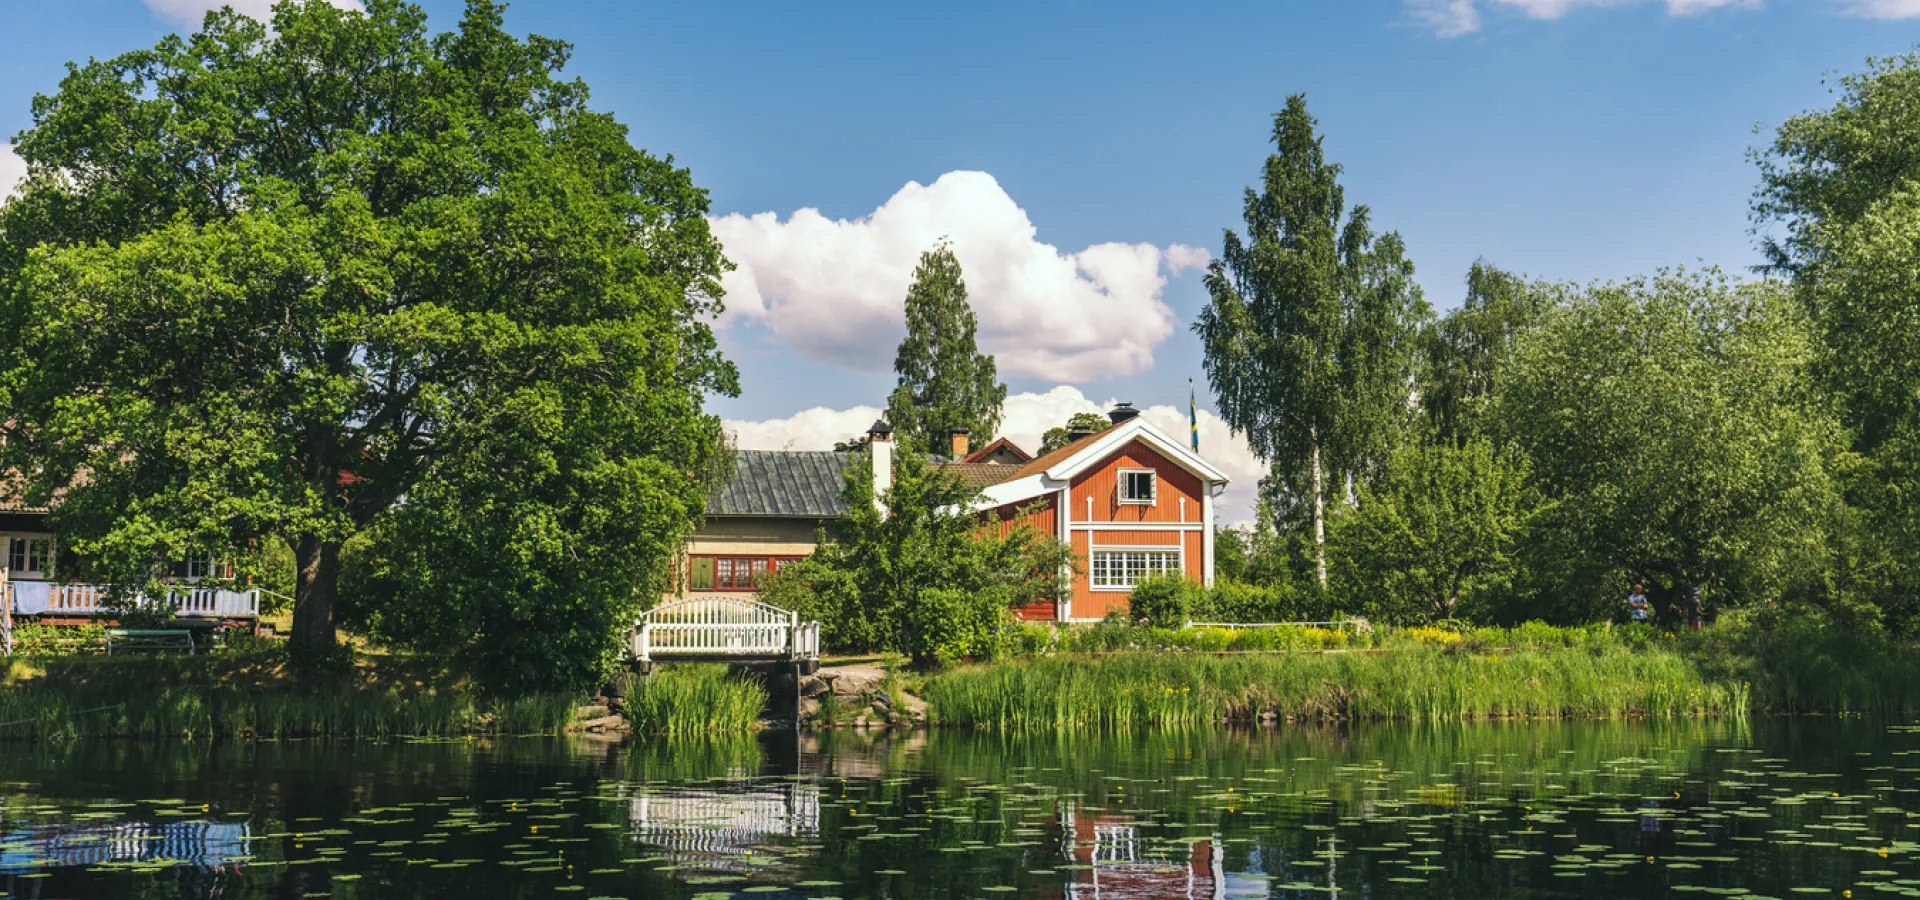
{"x": 723, "y": 627}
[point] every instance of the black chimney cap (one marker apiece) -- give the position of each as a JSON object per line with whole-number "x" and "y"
{"x": 961, "y": 430}
{"x": 880, "y": 429}
{"x": 1122, "y": 412}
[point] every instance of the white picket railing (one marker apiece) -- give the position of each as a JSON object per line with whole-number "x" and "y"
{"x": 724, "y": 627}
{"x": 38, "y": 598}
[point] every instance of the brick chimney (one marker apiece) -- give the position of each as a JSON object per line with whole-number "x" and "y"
{"x": 959, "y": 438}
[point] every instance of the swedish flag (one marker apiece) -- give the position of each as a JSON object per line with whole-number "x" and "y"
{"x": 1193, "y": 416}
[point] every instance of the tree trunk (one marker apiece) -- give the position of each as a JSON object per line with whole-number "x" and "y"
{"x": 1319, "y": 513}
{"x": 313, "y": 596}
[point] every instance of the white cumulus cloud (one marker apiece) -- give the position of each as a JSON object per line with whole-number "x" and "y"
{"x": 1451, "y": 18}
{"x": 834, "y": 290}
{"x": 1024, "y": 418}
{"x": 1885, "y": 9}
{"x": 12, "y": 169}
{"x": 1447, "y": 18}
{"x": 190, "y": 13}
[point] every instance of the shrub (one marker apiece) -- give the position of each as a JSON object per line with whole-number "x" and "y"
{"x": 1233, "y": 601}
{"x": 1162, "y": 601}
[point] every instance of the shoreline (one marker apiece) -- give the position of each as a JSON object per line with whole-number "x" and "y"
{"x": 1111, "y": 678}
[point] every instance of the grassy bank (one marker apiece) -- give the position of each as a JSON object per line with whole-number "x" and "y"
{"x": 683, "y": 701}
{"x": 1121, "y": 677}
{"x": 1147, "y": 690}
{"x": 249, "y": 694}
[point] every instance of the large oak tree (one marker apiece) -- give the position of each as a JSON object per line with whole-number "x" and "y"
{"x": 268, "y": 283}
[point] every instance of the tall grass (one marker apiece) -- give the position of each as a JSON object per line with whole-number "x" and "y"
{"x": 191, "y": 713}
{"x": 246, "y": 695}
{"x": 681, "y": 701}
{"x": 1424, "y": 684}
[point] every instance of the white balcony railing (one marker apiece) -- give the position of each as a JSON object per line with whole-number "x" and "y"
{"x": 43, "y": 598}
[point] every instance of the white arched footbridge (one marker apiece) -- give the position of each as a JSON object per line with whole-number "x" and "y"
{"x": 724, "y": 629}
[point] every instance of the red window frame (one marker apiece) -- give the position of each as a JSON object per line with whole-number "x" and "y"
{"x": 732, "y": 572}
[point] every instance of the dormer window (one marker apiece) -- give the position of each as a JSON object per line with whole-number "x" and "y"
{"x": 1138, "y": 486}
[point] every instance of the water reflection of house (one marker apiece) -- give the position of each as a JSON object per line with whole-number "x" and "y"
{"x": 27, "y": 848}
{"x": 709, "y": 824}
{"x": 1116, "y": 863}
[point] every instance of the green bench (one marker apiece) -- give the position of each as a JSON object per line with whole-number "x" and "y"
{"x": 149, "y": 639}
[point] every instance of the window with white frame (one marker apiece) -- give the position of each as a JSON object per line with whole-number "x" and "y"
{"x": 197, "y": 568}
{"x": 1122, "y": 568}
{"x": 29, "y": 555}
{"x": 1138, "y": 486}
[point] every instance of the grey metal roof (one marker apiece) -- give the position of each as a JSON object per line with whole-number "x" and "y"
{"x": 797, "y": 483}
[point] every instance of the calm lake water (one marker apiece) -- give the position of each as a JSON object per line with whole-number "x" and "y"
{"x": 1811, "y": 807}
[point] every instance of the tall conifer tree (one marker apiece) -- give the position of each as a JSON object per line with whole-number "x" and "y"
{"x": 945, "y": 381}
{"x": 1309, "y": 333}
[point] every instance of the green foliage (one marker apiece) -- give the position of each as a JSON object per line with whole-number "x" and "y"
{"x": 1465, "y": 353}
{"x": 1430, "y": 684}
{"x": 58, "y": 640}
{"x": 1055, "y": 438}
{"x": 1163, "y": 601}
{"x": 1310, "y": 330}
{"x": 1828, "y": 169}
{"x": 1439, "y": 527}
{"x": 264, "y": 282}
{"x": 927, "y": 578}
{"x": 1243, "y": 602}
{"x": 681, "y": 701}
{"x": 1672, "y": 429}
{"x": 245, "y": 693}
{"x": 945, "y": 381}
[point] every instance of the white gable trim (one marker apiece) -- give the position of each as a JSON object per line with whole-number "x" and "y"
{"x": 1028, "y": 488}
{"x": 1062, "y": 474}
{"x": 1135, "y": 428}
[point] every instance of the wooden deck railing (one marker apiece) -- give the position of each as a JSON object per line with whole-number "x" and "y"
{"x": 36, "y": 598}
{"x": 724, "y": 627}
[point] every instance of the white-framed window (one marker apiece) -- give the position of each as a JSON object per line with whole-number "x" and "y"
{"x": 199, "y": 568}
{"x": 29, "y": 555}
{"x": 1120, "y": 568}
{"x": 1138, "y": 486}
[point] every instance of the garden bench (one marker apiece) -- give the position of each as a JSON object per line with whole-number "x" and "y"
{"x": 149, "y": 639}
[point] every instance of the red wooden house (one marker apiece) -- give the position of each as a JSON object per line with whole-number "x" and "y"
{"x": 1131, "y": 501}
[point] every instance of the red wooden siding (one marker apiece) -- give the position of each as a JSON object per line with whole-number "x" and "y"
{"x": 1040, "y": 515}
{"x": 1132, "y": 538}
{"x": 1102, "y": 483}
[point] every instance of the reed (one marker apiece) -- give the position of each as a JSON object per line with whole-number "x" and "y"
{"x": 232, "y": 695}
{"x": 192, "y": 713}
{"x": 1423, "y": 684}
{"x": 681, "y": 701}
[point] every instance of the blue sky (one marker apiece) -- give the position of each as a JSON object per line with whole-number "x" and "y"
{"x": 1568, "y": 139}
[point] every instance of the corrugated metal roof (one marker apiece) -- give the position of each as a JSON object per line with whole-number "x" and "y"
{"x": 797, "y": 483}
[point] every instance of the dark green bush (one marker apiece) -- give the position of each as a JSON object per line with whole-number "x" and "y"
{"x": 1163, "y": 601}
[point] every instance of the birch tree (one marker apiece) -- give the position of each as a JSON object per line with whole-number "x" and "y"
{"x": 1310, "y": 327}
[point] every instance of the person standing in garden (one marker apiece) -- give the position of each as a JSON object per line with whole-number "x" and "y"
{"x": 1638, "y": 608}
{"x": 1696, "y": 609}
